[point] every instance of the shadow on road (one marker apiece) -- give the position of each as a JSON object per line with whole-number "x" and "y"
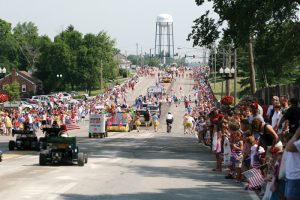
{"x": 202, "y": 192}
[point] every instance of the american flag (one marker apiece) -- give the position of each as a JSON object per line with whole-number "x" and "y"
{"x": 71, "y": 125}
{"x": 254, "y": 177}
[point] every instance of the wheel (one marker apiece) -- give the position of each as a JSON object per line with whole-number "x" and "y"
{"x": 36, "y": 146}
{"x": 0, "y": 157}
{"x": 85, "y": 158}
{"x": 43, "y": 159}
{"x": 90, "y": 135}
{"x": 11, "y": 145}
{"x": 80, "y": 159}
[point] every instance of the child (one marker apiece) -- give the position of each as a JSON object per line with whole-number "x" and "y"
{"x": 217, "y": 150}
{"x": 237, "y": 148}
{"x": 255, "y": 153}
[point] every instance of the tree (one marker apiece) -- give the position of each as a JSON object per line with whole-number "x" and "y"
{"x": 26, "y": 34}
{"x": 13, "y": 90}
{"x": 241, "y": 21}
{"x": 8, "y": 46}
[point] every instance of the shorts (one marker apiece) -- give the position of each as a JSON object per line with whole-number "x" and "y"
{"x": 188, "y": 124}
{"x": 292, "y": 189}
{"x": 238, "y": 161}
{"x": 155, "y": 123}
{"x": 137, "y": 123}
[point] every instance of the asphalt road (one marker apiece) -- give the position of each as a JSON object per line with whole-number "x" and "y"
{"x": 124, "y": 166}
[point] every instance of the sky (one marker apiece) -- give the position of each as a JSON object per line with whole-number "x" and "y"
{"x": 127, "y": 21}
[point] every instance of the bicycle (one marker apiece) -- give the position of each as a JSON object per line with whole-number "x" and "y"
{"x": 169, "y": 127}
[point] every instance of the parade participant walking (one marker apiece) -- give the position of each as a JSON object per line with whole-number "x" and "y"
{"x": 147, "y": 118}
{"x": 137, "y": 122}
{"x": 155, "y": 122}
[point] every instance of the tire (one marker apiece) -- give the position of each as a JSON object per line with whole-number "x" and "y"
{"x": 80, "y": 159}
{"x": 90, "y": 135}
{"x": 36, "y": 146}
{"x": 85, "y": 158}
{"x": 11, "y": 145}
{"x": 43, "y": 159}
{"x": 0, "y": 158}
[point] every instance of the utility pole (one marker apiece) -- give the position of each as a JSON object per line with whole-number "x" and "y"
{"x": 150, "y": 56}
{"x": 101, "y": 76}
{"x": 137, "y": 54}
{"x": 224, "y": 64}
{"x": 235, "y": 75}
{"x": 141, "y": 55}
{"x": 215, "y": 64}
{"x": 229, "y": 66}
{"x": 127, "y": 67}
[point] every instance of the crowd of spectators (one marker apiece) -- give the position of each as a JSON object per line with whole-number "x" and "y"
{"x": 257, "y": 143}
{"x": 58, "y": 111}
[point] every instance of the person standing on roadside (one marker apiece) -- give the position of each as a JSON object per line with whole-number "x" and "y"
{"x": 292, "y": 167}
{"x": 8, "y": 124}
{"x": 293, "y": 116}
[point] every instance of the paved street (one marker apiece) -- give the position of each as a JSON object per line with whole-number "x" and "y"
{"x": 133, "y": 165}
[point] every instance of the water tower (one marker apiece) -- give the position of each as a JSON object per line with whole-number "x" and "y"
{"x": 164, "y": 39}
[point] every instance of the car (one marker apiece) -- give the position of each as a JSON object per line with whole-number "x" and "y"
{"x": 25, "y": 140}
{"x": 61, "y": 149}
{"x": 52, "y": 96}
{"x": 74, "y": 93}
{"x": 66, "y": 96}
{"x": 142, "y": 119}
{"x": 153, "y": 108}
{"x": 25, "y": 105}
{"x": 41, "y": 99}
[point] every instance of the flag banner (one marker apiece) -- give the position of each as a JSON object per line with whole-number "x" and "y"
{"x": 254, "y": 177}
{"x": 71, "y": 125}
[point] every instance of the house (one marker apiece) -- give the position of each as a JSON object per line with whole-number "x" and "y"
{"x": 122, "y": 60}
{"x": 29, "y": 85}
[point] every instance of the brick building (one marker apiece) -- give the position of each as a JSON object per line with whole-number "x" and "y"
{"x": 29, "y": 85}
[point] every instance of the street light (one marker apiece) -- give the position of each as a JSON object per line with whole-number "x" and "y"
{"x": 2, "y": 72}
{"x": 59, "y": 76}
{"x": 227, "y": 74}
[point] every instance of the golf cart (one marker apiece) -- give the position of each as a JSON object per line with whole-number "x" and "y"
{"x": 26, "y": 140}
{"x": 60, "y": 149}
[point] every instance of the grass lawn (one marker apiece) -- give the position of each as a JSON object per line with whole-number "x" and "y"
{"x": 217, "y": 87}
{"x": 119, "y": 79}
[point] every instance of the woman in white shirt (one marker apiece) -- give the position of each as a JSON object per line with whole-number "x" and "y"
{"x": 277, "y": 115}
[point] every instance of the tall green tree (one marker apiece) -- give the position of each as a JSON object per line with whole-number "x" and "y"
{"x": 241, "y": 21}
{"x": 26, "y": 35}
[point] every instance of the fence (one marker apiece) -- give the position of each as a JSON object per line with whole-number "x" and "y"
{"x": 291, "y": 91}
